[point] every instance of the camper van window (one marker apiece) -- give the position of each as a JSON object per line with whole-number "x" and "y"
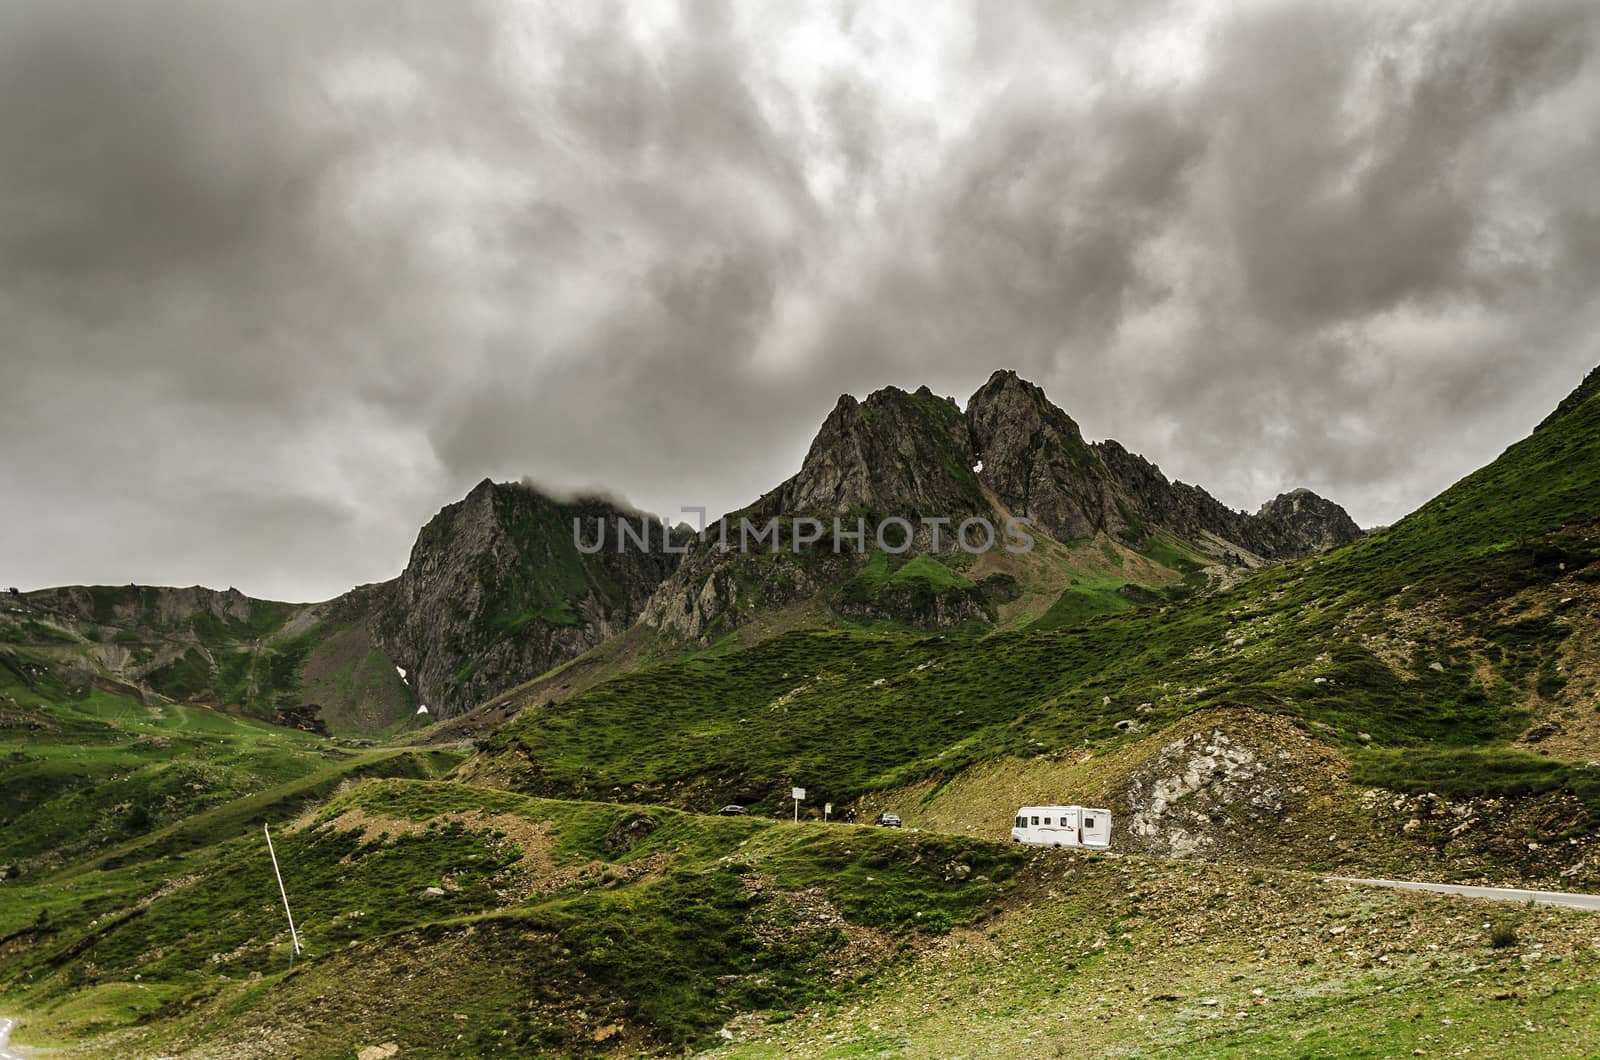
{"x": 1036, "y": 820}
{"x": 1047, "y": 820}
{"x": 1088, "y": 822}
{"x": 1022, "y": 822}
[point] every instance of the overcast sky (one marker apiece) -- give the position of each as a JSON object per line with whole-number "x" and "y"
{"x": 279, "y": 279}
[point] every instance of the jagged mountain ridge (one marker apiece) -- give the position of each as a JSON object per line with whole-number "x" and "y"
{"x": 495, "y": 592}
{"x": 1035, "y": 459}
{"x": 1011, "y": 452}
{"x": 915, "y": 454}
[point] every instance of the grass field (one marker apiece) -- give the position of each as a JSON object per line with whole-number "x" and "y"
{"x": 451, "y": 920}
{"x": 672, "y": 923}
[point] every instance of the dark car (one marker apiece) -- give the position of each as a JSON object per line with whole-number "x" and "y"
{"x": 734, "y": 811}
{"x": 889, "y": 820}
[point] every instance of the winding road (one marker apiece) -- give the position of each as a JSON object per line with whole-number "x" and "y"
{"x": 1498, "y": 894}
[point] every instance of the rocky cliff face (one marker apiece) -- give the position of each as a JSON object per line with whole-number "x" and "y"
{"x": 896, "y": 453}
{"x": 1011, "y": 452}
{"x": 1036, "y": 462}
{"x": 1300, "y": 523}
{"x": 497, "y": 591}
{"x": 1290, "y": 526}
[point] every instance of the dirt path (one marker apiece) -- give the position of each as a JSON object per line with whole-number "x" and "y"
{"x": 1498, "y": 894}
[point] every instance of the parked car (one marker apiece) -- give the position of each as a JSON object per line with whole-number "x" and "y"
{"x": 889, "y": 820}
{"x": 734, "y": 810}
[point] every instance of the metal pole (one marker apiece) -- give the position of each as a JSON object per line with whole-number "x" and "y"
{"x": 294, "y": 935}
{"x": 797, "y": 811}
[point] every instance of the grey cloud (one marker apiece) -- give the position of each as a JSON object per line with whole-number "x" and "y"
{"x": 278, "y": 280}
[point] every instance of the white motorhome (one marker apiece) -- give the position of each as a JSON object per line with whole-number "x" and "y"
{"x": 1063, "y": 826}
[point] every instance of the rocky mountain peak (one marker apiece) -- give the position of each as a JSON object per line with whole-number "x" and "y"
{"x": 496, "y": 590}
{"x": 896, "y": 453}
{"x": 1300, "y": 523}
{"x": 1035, "y": 460}
{"x": 919, "y": 454}
{"x": 1012, "y": 452}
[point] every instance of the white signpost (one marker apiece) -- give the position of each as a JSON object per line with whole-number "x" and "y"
{"x": 827, "y": 810}
{"x": 799, "y": 796}
{"x": 293, "y": 935}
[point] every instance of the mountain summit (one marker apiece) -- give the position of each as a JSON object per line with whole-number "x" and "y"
{"x": 1009, "y": 453}
{"x": 1036, "y": 461}
{"x": 916, "y": 454}
{"x": 496, "y": 591}
{"x": 893, "y": 454}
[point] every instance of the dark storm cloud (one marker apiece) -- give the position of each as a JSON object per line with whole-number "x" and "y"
{"x": 277, "y": 280}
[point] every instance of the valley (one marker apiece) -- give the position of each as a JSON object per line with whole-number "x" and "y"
{"x": 536, "y": 867}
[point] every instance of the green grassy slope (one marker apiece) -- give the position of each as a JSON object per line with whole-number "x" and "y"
{"x": 452, "y": 920}
{"x": 848, "y": 712}
{"x": 223, "y": 650}
{"x": 85, "y": 774}
{"x": 582, "y": 916}
{"x": 1135, "y": 958}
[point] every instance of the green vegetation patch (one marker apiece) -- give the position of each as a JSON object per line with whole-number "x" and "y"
{"x": 666, "y": 921}
{"x": 1466, "y": 772}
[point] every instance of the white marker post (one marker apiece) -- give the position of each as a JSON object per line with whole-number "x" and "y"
{"x": 799, "y": 794}
{"x": 827, "y": 810}
{"x": 293, "y": 935}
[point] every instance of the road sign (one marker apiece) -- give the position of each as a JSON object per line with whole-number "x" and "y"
{"x": 798, "y": 793}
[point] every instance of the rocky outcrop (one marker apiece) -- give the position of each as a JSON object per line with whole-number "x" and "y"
{"x": 896, "y": 453}
{"x": 1035, "y": 460}
{"x": 1300, "y": 523}
{"x": 497, "y": 591}
{"x": 713, "y": 593}
{"x": 1202, "y": 791}
{"x": 916, "y": 455}
{"x": 921, "y": 605}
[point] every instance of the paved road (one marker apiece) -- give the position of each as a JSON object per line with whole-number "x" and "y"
{"x": 1498, "y": 894}
{"x": 5, "y": 1032}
